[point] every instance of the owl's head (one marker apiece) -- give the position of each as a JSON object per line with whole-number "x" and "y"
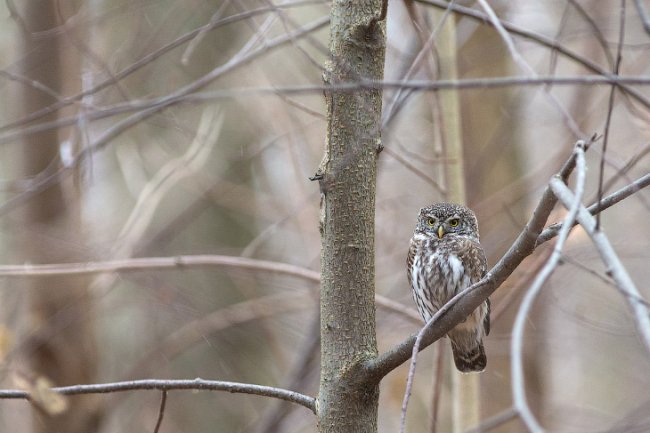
{"x": 447, "y": 219}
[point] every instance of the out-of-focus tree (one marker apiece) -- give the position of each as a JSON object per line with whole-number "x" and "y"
{"x": 57, "y": 344}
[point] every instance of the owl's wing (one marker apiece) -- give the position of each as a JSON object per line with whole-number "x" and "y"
{"x": 410, "y": 258}
{"x": 474, "y": 260}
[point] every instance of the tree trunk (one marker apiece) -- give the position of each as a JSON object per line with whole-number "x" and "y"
{"x": 492, "y": 161}
{"x": 347, "y": 178}
{"x": 465, "y": 387}
{"x": 61, "y": 347}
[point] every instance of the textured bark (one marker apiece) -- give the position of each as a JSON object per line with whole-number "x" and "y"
{"x": 347, "y": 179}
{"x": 61, "y": 343}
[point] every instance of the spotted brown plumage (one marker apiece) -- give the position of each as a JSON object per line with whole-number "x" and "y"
{"x": 444, "y": 258}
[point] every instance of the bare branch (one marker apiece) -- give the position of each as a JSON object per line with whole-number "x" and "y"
{"x": 643, "y": 15}
{"x": 36, "y": 85}
{"x": 615, "y": 267}
{"x": 523, "y": 64}
{"x": 516, "y": 352}
{"x": 147, "y": 59}
{"x": 397, "y": 102}
{"x": 197, "y": 384}
{"x": 298, "y": 374}
{"x": 461, "y": 305}
{"x": 607, "y": 202}
{"x": 598, "y": 34}
{"x": 413, "y": 169}
{"x": 161, "y": 411}
{"x": 139, "y": 264}
{"x": 159, "y": 104}
{"x": 186, "y": 262}
{"x": 536, "y": 37}
{"x": 166, "y": 178}
{"x": 495, "y": 421}
{"x": 610, "y": 107}
{"x": 123, "y": 125}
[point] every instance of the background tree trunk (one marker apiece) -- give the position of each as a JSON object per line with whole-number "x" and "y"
{"x": 60, "y": 346}
{"x": 466, "y": 410}
{"x": 348, "y": 181}
{"x": 492, "y": 162}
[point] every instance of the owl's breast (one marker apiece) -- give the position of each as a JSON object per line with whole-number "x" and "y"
{"x": 446, "y": 275}
{"x": 436, "y": 274}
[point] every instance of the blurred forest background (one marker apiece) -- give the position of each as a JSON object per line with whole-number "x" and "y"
{"x": 134, "y": 129}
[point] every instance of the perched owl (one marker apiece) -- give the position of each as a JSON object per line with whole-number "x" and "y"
{"x": 444, "y": 258}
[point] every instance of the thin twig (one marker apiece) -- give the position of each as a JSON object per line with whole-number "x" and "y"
{"x": 537, "y": 38}
{"x": 598, "y": 34}
{"x": 610, "y": 107}
{"x": 165, "y": 179}
{"x": 411, "y": 374}
{"x": 161, "y": 411}
{"x": 140, "y": 264}
{"x": 395, "y": 104}
{"x": 186, "y": 262}
{"x": 197, "y": 384}
{"x": 622, "y": 171}
{"x": 298, "y": 374}
{"x": 523, "y": 64}
{"x": 159, "y": 104}
{"x": 413, "y": 169}
{"x": 34, "y": 84}
{"x": 147, "y": 59}
{"x": 516, "y": 354}
{"x": 596, "y": 208}
{"x": 123, "y": 125}
{"x": 198, "y": 37}
{"x": 643, "y": 15}
{"x": 495, "y": 421}
{"x": 615, "y": 267}
{"x": 195, "y": 331}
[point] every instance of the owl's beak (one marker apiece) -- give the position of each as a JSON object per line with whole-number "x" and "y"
{"x": 441, "y": 232}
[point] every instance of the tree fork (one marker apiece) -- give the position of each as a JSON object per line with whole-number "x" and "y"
{"x": 347, "y": 177}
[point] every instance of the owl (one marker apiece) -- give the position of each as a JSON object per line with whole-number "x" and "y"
{"x": 444, "y": 258}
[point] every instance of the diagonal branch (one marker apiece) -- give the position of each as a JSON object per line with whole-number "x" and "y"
{"x": 197, "y": 384}
{"x": 119, "y": 127}
{"x": 516, "y": 353}
{"x": 146, "y": 60}
{"x": 461, "y": 305}
{"x": 523, "y": 64}
{"x": 643, "y": 15}
{"x": 537, "y": 38}
{"x": 615, "y": 267}
{"x": 596, "y": 208}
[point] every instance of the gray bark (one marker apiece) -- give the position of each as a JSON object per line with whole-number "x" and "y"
{"x": 347, "y": 178}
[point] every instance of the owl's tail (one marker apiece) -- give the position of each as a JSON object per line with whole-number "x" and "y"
{"x": 469, "y": 359}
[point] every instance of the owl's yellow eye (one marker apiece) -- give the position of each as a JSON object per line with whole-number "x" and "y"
{"x": 431, "y": 221}
{"x": 454, "y": 222}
